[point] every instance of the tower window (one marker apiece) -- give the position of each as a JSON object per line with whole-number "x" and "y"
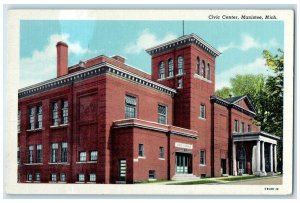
{"x": 31, "y": 118}
{"x": 55, "y": 114}
{"x": 161, "y": 70}
{"x": 65, "y": 112}
{"x": 203, "y": 69}
{"x": 170, "y": 68}
{"x": 162, "y": 114}
{"x": 198, "y": 66}
{"x": 141, "y": 150}
{"x": 130, "y": 107}
{"x": 208, "y": 71}
{"x": 39, "y": 117}
{"x": 202, "y": 111}
{"x": 180, "y": 66}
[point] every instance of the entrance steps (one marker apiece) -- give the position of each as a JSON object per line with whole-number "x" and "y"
{"x": 185, "y": 177}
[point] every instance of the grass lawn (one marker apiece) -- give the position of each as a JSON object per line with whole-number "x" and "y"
{"x": 234, "y": 178}
{"x": 203, "y": 181}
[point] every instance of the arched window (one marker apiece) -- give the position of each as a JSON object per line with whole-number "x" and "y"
{"x": 170, "y": 68}
{"x": 161, "y": 70}
{"x": 180, "y": 64}
{"x": 198, "y": 66}
{"x": 208, "y": 71}
{"x": 203, "y": 69}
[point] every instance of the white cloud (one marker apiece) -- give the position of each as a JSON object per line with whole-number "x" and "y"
{"x": 41, "y": 65}
{"x": 248, "y": 42}
{"x": 256, "y": 67}
{"x": 147, "y": 40}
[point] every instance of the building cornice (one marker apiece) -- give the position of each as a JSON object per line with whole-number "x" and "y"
{"x": 96, "y": 70}
{"x": 255, "y": 135}
{"x": 184, "y": 40}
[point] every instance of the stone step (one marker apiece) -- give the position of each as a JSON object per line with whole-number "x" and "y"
{"x": 185, "y": 177}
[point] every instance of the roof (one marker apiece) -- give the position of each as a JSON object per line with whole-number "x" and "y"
{"x": 233, "y": 99}
{"x": 184, "y": 40}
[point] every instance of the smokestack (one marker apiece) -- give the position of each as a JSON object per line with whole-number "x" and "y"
{"x": 62, "y": 58}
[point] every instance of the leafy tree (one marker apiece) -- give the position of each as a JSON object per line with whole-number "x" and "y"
{"x": 224, "y": 92}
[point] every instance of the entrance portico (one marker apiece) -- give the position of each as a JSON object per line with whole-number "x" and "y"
{"x": 262, "y": 152}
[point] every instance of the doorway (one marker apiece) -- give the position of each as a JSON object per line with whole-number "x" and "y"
{"x": 223, "y": 166}
{"x": 183, "y": 163}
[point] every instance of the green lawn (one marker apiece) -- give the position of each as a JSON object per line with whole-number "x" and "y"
{"x": 197, "y": 182}
{"x": 234, "y": 178}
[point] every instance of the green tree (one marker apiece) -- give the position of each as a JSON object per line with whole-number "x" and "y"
{"x": 224, "y": 92}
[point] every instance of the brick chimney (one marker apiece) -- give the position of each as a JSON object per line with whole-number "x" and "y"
{"x": 119, "y": 58}
{"x": 62, "y": 58}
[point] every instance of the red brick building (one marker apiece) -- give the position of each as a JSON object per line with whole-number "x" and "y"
{"x": 103, "y": 121}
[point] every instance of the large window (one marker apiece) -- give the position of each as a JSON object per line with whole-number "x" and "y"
{"x": 30, "y": 154}
{"x": 130, "y": 107}
{"x": 81, "y": 177}
{"x": 180, "y": 65}
{"x": 170, "y": 68}
{"x": 208, "y": 71}
{"x": 198, "y": 66}
{"x": 92, "y": 177}
{"x": 203, "y": 69}
{"x": 55, "y": 114}
{"x": 161, "y": 152}
{"x": 39, "y": 117}
{"x": 31, "y": 118}
{"x": 39, "y": 153}
{"x": 202, "y": 157}
{"x": 161, "y": 70}
{"x": 94, "y": 155}
{"x": 65, "y": 119}
{"x": 202, "y": 111}
{"x": 54, "y": 152}
{"x": 236, "y": 126}
{"x": 64, "y": 152}
{"x": 162, "y": 114}
{"x": 141, "y": 150}
{"x": 82, "y": 156}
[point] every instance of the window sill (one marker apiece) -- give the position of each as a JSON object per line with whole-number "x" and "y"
{"x": 59, "y": 163}
{"x": 200, "y": 118}
{"x": 59, "y": 126}
{"x": 53, "y": 182}
{"x": 32, "y": 164}
{"x": 178, "y": 75}
{"x": 93, "y": 182}
{"x": 80, "y": 182}
{"x": 202, "y": 164}
{"x": 161, "y": 159}
{"x": 141, "y": 157}
{"x": 34, "y": 130}
{"x": 202, "y": 78}
{"x": 86, "y": 162}
{"x": 167, "y": 78}
{"x": 151, "y": 179}
{"x": 37, "y": 181}
{"x": 28, "y": 181}
{"x": 62, "y": 182}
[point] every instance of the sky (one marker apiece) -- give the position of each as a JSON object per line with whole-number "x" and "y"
{"x": 241, "y": 44}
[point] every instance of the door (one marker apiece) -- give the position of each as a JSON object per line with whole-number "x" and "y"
{"x": 183, "y": 163}
{"x": 242, "y": 160}
{"x": 223, "y": 166}
{"x": 122, "y": 169}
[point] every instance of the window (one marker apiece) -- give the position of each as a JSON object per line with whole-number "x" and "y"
{"x": 92, "y": 177}
{"x": 31, "y": 118}
{"x": 53, "y": 177}
{"x": 141, "y": 150}
{"x": 243, "y": 127}
{"x": 161, "y": 70}
{"x": 170, "y": 68}
{"x": 94, "y": 155}
{"x": 64, "y": 152}
{"x": 202, "y": 157}
{"x": 161, "y": 152}
{"x": 65, "y": 119}
{"x": 208, "y": 71}
{"x": 82, "y": 156}
{"x": 180, "y": 66}
{"x": 39, "y": 118}
{"x": 19, "y": 121}
{"x": 55, "y": 114}
{"x": 202, "y": 111}
{"x": 236, "y": 126}
{"x": 162, "y": 114}
{"x": 203, "y": 69}
{"x": 81, "y": 177}
{"x": 54, "y": 152}
{"x": 180, "y": 83}
{"x": 29, "y": 177}
{"x": 152, "y": 174}
{"x": 249, "y": 128}
{"x": 39, "y": 153}
{"x": 130, "y": 107}
{"x": 30, "y": 154}
{"x": 37, "y": 177}
{"x": 18, "y": 155}
{"x": 63, "y": 177}
{"x": 198, "y": 66}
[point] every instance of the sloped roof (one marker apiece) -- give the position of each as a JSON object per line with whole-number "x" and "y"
{"x": 233, "y": 99}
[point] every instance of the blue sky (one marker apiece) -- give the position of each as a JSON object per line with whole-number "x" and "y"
{"x": 241, "y": 44}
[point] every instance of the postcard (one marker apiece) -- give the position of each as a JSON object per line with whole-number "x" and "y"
{"x": 153, "y": 102}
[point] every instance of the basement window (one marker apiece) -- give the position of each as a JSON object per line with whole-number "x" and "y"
{"x": 152, "y": 175}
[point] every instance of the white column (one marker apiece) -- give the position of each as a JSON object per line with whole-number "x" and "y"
{"x": 271, "y": 158}
{"x": 263, "y": 168}
{"x": 258, "y": 156}
{"x": 234, "y": 159}
{"x": 275, "y": 158}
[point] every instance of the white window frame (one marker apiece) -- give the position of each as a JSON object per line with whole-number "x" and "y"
{"x": 161, "y": 152}
{"x": 54, "y": 152}
{"x": 39, "y": 153}
{"x": 53, "y": 177}
{"x": 170, "y": 67}
{"x": 29, "y": 177}
{"x": 129, "y": 106}
{"x": 142, "y": 150}
{"x": 161, "y": 115}
{"x": 37, "y": 177}
{"x": 180, "y": 65}
{"x": 30, "y": 153}
{"x": 39, "y": 117}
{"x": 94, "y": 155}
{"x": 65, "y": 112}
{"x": 64, "y": 152}
{"x": 55, "y": 118}
{"x": 63, "y": 177}
{"x": 81, "y": 177}
{"x": 161, "y": 70}
{"x": 202, "y": 157}
{"x": 82, "y": 156}
{"x": 92, "y": 177}
{"x": 202, "y": 111}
